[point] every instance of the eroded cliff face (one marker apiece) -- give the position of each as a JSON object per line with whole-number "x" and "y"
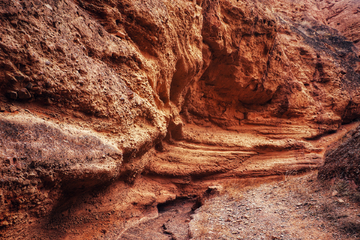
{"x": 109, "y": 108}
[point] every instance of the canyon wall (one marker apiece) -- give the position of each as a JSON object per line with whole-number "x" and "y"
{"x": 109, "y": 107}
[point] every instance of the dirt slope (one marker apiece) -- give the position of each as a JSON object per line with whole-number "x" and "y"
{"x": 342, "y": 159}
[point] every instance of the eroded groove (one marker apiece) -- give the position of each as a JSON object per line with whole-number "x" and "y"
{"x": 154, "y": 101}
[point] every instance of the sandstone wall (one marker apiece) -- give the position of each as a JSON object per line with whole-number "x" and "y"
{"x": 111, "y": 107}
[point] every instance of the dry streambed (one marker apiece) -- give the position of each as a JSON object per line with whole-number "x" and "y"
{"x": 296, "y": 207}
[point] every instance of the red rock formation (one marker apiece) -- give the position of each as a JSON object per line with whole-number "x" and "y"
{"x": 343, "y": 15}
{"x": 112, "y": 104}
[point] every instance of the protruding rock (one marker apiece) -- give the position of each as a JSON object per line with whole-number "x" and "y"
{"x": 24, "y": 94}
{"x": 120, "y": 34}
{"x": 49, "y": 101}
{"x": 30, "y": 86}
{"x": 13, "y": 109}
{"x": 239, "y": 115}
{"x": 11, "y": 79}
{"x": 214, "y": 189}
{"x": 12, "y": 95}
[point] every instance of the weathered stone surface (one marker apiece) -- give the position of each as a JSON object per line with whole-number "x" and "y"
{"x": 144, "y": 101}
{"x": 12, "y": 95}
{"x": 24, "y": 94}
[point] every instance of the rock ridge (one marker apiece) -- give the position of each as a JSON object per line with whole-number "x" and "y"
{"x": 108, "y": 108}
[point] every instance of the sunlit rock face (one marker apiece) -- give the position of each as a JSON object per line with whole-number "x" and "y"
{"x": 111, "y": 107}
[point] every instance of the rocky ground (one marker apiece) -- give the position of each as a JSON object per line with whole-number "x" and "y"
{"x": 172, "y": 223}
{"x": 294, "y": 208}
{"x": 284, "y": 207}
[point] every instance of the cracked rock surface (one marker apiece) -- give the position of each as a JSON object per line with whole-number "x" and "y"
{"x": 110, "y": 108}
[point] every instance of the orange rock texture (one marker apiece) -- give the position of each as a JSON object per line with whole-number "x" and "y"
{"x": 111, "y": 107}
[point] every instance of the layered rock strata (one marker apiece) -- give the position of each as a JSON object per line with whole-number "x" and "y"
{"x": 109, "y": 108}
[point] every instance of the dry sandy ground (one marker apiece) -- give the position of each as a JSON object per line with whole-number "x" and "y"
{"x": 285, "y": 207}
{"x": 294, "y": 208}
